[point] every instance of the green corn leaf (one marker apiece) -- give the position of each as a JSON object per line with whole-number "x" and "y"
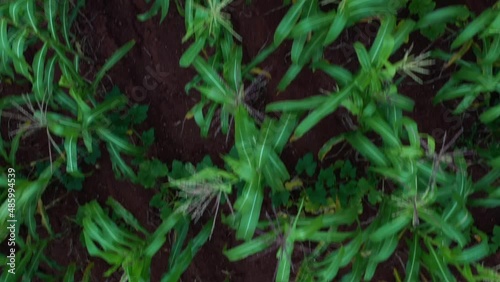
{"x": 259, "y": 58}
{"x": 38, "y": 72}
{"x": 181, "y": 232}
{"x": 263, "y": 147}
{"x": 119, "y": 142}
{"x": 164, "y": 5}
{"x": 244, "y": 128}
{"x": 183, "y": 261}
{"x": 312, "y": 48}
{"x": 71, "y": 154}
{"x": 363, "y": 56}
{"x": 5, "y": 61}
{"x": 101, "y": 109}
{"x": 328, "y": 107}
{"x": 436, "y": 264}
{"x": 65, "y": 24}
{"x": 249, "y": 205}
{"x": 465, "y": 103}
{"x": 49, "y": 76}
{"x": 437, "y": 222}
{"x": 14, "y": 146}
{"x": 251, "y": 247}
{"x": 282, "y": 131}
{"x": 342, "y": 76}
{"x": 118, "y": 161}
{"x": 30, "y": 10}
{"x": 334, "y": 266}
{"x": 18, "y": 47}
{"x": 328, "y": 237}
{"x": 443, "y": 15}
{"x": 214, "y": 94}
{"x": 297, "y": 48}
{"x": 493, "y": 52}
{"x": 275, "y": 172}
{"x": 209, "y": 75}
{"x": 386, "y": 249}
{"x": 156, "y": 241}
{"x": 474, "y": 27}
{"x": 377, "y": 124}
{"x": 192, "y": 52}
{"x": 312, "y": 23}
{"x": 370, "y": 8}
{"x": 402, "y": 33}
{"x": 284, "y": 261}
{"x": 69, "y": 275}
{"x": 412, "y": 131}
{"x": 15, "y": 10}
{"x": 234, "y": 69}
{"x": 124, "y": 214}
{"x": 429, "y": 171}
{"x": 241, "y": 168}
{"x": 486, "y": 181}
{"x": 490, "y": 115}
{"x": 208, "y": 120}
{"x": 401, "y": 102}
{"x": 289, "y": 76}
{"x": 50, "y": 15}
{"x": 111, "y": 61}
{"x": 295, "y": 106}
{"x": 367, "y": 148}
{"x": 337, "y": 26}
{"x": 351, "y": 250}
{"x": 393, "y": 174}
{"x": 471, "y": 254}
{"x": 413, "y": 263}
{"x": 62, "y": 126}
{"x": 381, "y": 49}
{"x": 391, "y": 228}
{"x": 288, "y": 22}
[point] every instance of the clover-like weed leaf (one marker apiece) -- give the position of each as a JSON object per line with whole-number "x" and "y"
{"x": 327, "y": 176}
{"x": 150, "y": 171}
{"x": 306, "y": 164}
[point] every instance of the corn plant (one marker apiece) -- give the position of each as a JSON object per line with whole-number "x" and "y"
{"x": 28, "y": 202}
{"x": 480, "y": 79}
{"x": 208, "y": 25}
{"x": 320, "y": 230}
{"x": 359, "y": 93}
{"x": 124, "y": 249}
{"x": 158, "y": 5}
{"x": 24, "y": 23}
{"x": 224, "y": 95}
{"x": 312, "y": 30}
{"x": 258, "y": 164}
{"x": 418, "y": 170}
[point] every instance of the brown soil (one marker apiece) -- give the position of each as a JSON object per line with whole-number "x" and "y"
{"x": 153, "y": 66}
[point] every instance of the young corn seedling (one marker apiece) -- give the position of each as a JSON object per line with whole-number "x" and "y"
{"x": 158, "y": 5}
{"x": 281, "y": 238}
{"x": 210, "y": 25}
{"x": 224, "y": 94}
{"x": 258, "y": 165}
{"x": 28, "y": 196}
{"x": 479, "y": 78}
{"x": 123, "y": 248}
{"x": 22, "y": 25}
